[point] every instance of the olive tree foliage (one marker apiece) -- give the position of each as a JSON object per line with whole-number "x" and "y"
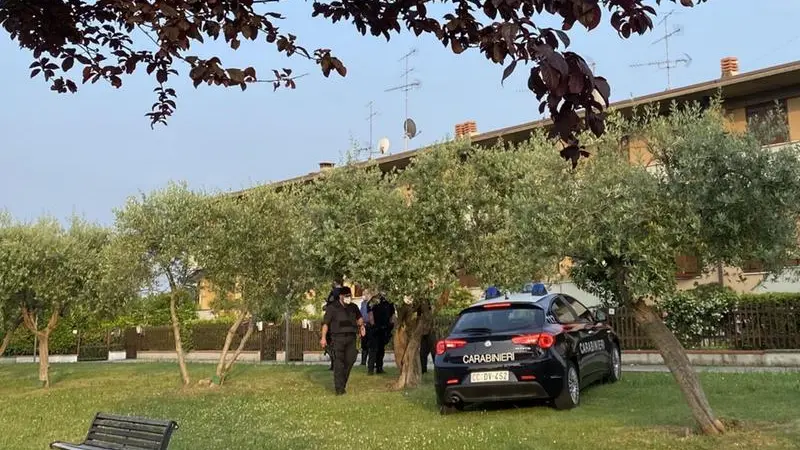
{"x": 252, "y": 255}
{"x": 708, "y": 192}
{"x": 413, "y": 233}
{"x": 10, "y": 313}
{"x": 50, "y": 272}
{"x": 339, "y": 207}
{"x": 159, "y": 233}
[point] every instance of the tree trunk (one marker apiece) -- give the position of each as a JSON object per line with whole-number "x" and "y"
{"x": 176, "y": 330}
{"x": 410, "y": 369}
{"x": 675, "y": 358}
{"x": 44, "y": 341}
{"x": 44, "y": 358}
{"x": 9, "y": 335}
{"x": 228, "y": 341}
{"x": 400, "y": 343}
{"x": 238, "y": 352}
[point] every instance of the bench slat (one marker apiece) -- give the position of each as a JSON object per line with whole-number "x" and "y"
{"x": 136, "y": 420}
{"x": 129, "y": 436}
{"x": 122, "y": 441}
{"x": 129, "y": 432}
{"x": 130, "y": 426}
{"x": 67, "y": 446}
{"x": 106, "y": 445}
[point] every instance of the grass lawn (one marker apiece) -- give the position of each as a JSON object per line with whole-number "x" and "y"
{"x": 278, "y": 407}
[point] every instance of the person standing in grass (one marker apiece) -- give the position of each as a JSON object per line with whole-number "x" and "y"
{"x": 365, "y": 340}
{"x": 343, "y": 320}
{"x": 333, "y": 297}
{"x": 382, "y": 317}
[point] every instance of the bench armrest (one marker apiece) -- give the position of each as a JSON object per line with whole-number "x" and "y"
{"x": 65, "y": 446}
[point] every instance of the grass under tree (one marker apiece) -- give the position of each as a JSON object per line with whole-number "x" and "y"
{"x": 294, "y": 408}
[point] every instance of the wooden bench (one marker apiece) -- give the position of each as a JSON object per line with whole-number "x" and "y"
{"x": 110, "y": 432}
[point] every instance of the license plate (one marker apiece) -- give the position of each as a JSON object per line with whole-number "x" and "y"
{"x": 488, "y": 377}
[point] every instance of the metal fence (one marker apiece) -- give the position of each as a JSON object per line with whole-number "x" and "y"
{"x": 767, "y": 326}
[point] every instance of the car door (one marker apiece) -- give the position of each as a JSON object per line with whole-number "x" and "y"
{"x": 595, "y": 338}
{"x": 563, "y": 314}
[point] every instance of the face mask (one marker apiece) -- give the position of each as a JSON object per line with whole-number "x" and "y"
{"x": 347, "y": 300}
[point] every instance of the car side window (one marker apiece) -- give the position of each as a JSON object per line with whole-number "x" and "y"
{"x": 562, "y": 311}
{"x": 583, "y": 313}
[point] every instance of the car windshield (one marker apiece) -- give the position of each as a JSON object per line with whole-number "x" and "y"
{"x": 499, "y": 320}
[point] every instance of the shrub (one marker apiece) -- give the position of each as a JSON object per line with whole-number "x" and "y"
{"x": 698, "y": 313}
{"x": 771, "y": 298}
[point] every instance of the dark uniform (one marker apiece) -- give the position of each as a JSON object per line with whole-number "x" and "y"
{"x": 381, "y": 334}
{"x": 333, "y": 297}
{"x": 342, "y": 321}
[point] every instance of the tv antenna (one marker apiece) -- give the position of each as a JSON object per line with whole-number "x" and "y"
{"x": 667, "y": 63}
{"x": 370, "y": 117}
{"x": 406, "y": 87}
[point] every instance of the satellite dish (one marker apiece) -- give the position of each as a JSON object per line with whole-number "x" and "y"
{"x": 383, "y": 145}
{"x": 410, "y": 128}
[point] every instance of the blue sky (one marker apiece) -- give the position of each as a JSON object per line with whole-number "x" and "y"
{"x": 85, "y": 153}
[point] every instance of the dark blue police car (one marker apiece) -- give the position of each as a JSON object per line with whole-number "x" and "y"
{"x": 525, "y": 347}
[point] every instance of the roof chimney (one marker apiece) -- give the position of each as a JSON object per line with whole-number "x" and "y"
{"x": 729, "y": 66}
{"x": 325, "y": 166}
{"x": 466, "y": 129}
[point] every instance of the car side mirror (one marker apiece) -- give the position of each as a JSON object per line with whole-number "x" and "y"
{"x": 601, "y": 315}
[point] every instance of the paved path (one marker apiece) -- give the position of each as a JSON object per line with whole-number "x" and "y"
{"x": 723, "y": 369}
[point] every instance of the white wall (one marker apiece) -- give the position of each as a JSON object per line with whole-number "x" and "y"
{"x": 569, "y": 288}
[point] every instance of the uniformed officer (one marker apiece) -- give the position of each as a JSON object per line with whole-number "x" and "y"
{"x": 344, "y": 321}
{"x": 333, "y": 297}
{"x": 366, "y": 305}
{"x": 382, "y": 320}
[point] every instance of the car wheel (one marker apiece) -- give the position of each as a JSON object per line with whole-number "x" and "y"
{"x": 570, "y": 395}
{"x": 447, "y": 409}
{"x": 615, "y": 370}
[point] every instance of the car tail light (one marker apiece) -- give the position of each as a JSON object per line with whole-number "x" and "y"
{"x": 543, "y": 340}
{"x": 452, "y": 381}
{"x": 443, "y": 346}
{"x": 496, "y": 305}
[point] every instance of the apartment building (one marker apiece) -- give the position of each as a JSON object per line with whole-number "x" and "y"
{"x": 745, "y": 95}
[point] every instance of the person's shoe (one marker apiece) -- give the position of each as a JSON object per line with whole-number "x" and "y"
{"x": 339, "y": 392}
{"x": 370, "y": 372}
{"x": 379, "y": 371}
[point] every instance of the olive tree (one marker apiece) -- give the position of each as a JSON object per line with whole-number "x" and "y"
{"x": 50, "y": 271}
{"x": 710, "y": 193}
{"x": 159, "y": 233}
{"x": 10, "y": 313}
{"x": 361, "y": 228}
{"x": 411, "y": 234}
{"x": 252, "y": 256}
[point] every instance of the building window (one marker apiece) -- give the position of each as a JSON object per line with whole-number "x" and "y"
{"x": 769, "y": 122}
{"x": 688, "y": 266}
